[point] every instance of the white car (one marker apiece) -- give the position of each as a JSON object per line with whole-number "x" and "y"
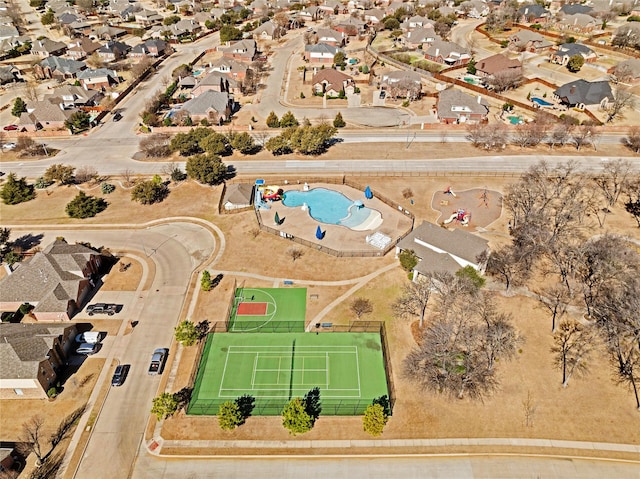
{"x": 90, "y": 337}
{"x": 9, "y": 146}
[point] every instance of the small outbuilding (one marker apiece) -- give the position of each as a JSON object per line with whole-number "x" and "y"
{"x": 238, "y": 196}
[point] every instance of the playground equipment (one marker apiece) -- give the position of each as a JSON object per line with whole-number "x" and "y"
{"x": 449, "y": 191}
{"x": 460, "y": 215}
{"x": 271, "y": 193}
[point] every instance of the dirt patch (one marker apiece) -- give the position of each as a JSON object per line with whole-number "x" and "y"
{"x": 469, "y": 208}
{"x": 125, "y": 275}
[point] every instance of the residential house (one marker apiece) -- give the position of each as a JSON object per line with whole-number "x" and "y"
{"x": 446, "y": 10}
{"x": 627, "y": 71}
{"x": 260, "y": 8}
{"x": 108, "y": 33}
{"x": 578, "y": 22}
{"x": 402, "y": 84}
{"x": 230, "y": 67}
{"x": 148, "y": 48}
{"x": 267, "y": 31}
{"x": 528, "y": 41}
{"x": 393, "y": 7}
{"x": 67, "y": 18}
{"x": 351, "y": 27}
{"x": 442, "y": 250}
{"x": 113, "y": 51}
{"x": 564, "y": 52}
{"x": 243, "y": 50}
{"x": 9, "y": 74}
{"x": 216, "y": 107}
{"x": 419, "y": 36}
{"x": 330, "y": 7}
{"x": 238, "y": 196}
{"x": 474, "y": 9}
{"x": 146, "y": 18}
{"x": 216, "y": 81}
{"x": 447, "y": 53}
{"x": 331, "y": 37}
{"x": 373, "y": 16}
{"x": 320, "y": 53}
{"x": 81, "y": 48}
{"x": 497, "y": 64}
{"x": 581, "y": 94}
{"x": 56, "y": 280}
{"x": 71, "y": 96}
{"x": 8, "y": 32}
{"x": 455, "y": 106}
{"x": 98, "y": 79}
{"x": 59, "y": 68}
{"x": 332, "y": 82}
{"x": 31, "y": 358}
{"x": 533, "y": 13}
{"x": 46, "y": 47}
{"x": 573, "y": 8}
{"x": 311, "y": 13}
{"x": 123, "y": 8}
{"x": 627, "y": 35}
{"x": 185, "y": 28}
{"x": 416, "y": 21}
{"x": 79, "y": 29}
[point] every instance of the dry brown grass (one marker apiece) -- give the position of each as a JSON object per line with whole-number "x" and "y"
{"x": 123, "y": 279}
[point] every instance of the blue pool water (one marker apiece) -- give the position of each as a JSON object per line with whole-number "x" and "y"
{"x": 328, "y": 206}
{"x": 515, "y": 120}
{"x": 541, "y": 102}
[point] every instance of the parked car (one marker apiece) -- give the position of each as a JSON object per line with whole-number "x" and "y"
{"x": 102, "y": 308}
{"x": 9, "y": 146}
{"x": 158, "y": 359}
{"x": 117, "y": 117}
{"x": 90, "y": 337}
{"x": 10, "y": 128}
{"x": 86, "y": 348}
{"x": 120, "y": 374}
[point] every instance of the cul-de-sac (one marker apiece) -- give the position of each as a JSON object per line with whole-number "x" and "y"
{"x": 346, "y": 239}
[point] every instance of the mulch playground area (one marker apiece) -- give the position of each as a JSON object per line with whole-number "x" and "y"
{"x": 476, "y": 208}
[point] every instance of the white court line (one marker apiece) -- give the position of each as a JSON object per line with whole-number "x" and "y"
{"x": 327, "y": 370}
{"x": 255, "y": 365}
{"x": 358, "y": 370}
{"x": 275, "y": 305}
{"x": 224, "y": 371}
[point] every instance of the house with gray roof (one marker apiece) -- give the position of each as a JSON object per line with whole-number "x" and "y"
{"x": 526, "y": 40}
{"x": 442, "y": 250}
{"x": 217, "y": 107}
{"x": 447, "y": 53}
{"x": 533, "y": 13}
{"x": 320, "y": 53}
{"x": 455, "y": 106}
{"x": 582, "y": 93}
{"x": 216, "y": 81}
{"x": 56, "y": 280}
{"x": 238, "y": 196}
{"x": 627, "y": 71}
{"x": 59, "y": 68}
{"x": 419, "y": 36}
{"x": 71, "y": 96}
{"x": 573, "y": 8}
{"x": 578, "y": 22}
{"x": 98, "y": 79}
{"x": 9, "y": 74}
{"x": 267, "y": 31}
{"x": 31, "y": 358}
{"x": 564, "y": 52}
{"x": 243, "y": 50}
{"x": 47, "y": 47}
{"x": 107, "y": 32}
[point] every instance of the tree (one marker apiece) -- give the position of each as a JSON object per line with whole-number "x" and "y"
{"x": 83, "y": 206}
{"x": 622, "y": 99}
{"x": 471, "y": 66}
{"x": 408, "y": 259}
{"x": 273, "y": 121}
{"x": 156, "y": 145}
{"x": 575, "y": 63}
{"x": 295, "y": 253}
{"x": 338, "y": 121}
{"x": 295, "y": 417}
{"x": 186, "y": 333}
{"x": 164, "y": 405}
{"x": 205, "y": 283}
{"x": 288, "y": 120}
{"x": 572, "y": 344}
{"x": 374, "y": 419}
{"x": 488, "y": 137}
{"x": 554, "y": 298}
{"x": 361, "y": 306}
{"x": 207, "y": 169}
{"x": 19, "y": 107}
{"x": 149, "y": 192}
{"x": 229, "y": 33}
{"x": 504, "y": 80}
{"x": 613, "y": 179}
{"x": 391, "y": 23}
{"x": 33, "y": 437}
{"x": 216, "y": 144}
{"x": 78, "y": 121}
{"x": 471, "y": 274}
{"x": 64, "y": 174}
{"x": 48, "y": 18}
{"x": 229, "y": 416}
{"x": 414, "y": 299}
{"x": 632, "y": 140}
{"x": 278, "y": 145}
{"x": 244, "y": 143}
{"x": 339, "y": 59}
{"x": 530, "y": 134}
{"x": 85, "y": 173}
{"x": 16, "y": 190}
{"x": 186, "y": 143}
{"x": 310, "y": 140}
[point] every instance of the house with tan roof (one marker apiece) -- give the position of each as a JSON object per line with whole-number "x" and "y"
{"x": 243, "y": 50}
{"x": 455, "y": 106}
{"x": 526, "y": 40}
{"x": 497, "y": 64}
{"x": 447, "y": 53}
{"x": 578, "y": 22}
{"x": 216, "y": 107}
{"x": 216, "y": 81}
{"x": 332, "y": 82}
{"x": 81, "y": 48}
{"x": 442, "y": 250}
{"x": 47, "y": 47}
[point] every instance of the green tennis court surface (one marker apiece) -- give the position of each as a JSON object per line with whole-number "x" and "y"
{"x": 347, "y": 367}
{"x": 268, "y": 310}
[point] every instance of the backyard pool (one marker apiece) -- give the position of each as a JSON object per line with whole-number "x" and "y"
{"x": 515, "y": 120}
{"x": 541, "y": 102}
{"x": 334, "y": 208}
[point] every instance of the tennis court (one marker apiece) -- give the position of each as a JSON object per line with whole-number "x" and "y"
{"x": 347, "y": 367}
{"x": 263, "y": 310}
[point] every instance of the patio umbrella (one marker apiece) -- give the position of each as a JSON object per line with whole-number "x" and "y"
{"x": 276, "y": 219}
{"x": 319, "y": 233}
{"x": 367, "y": 193}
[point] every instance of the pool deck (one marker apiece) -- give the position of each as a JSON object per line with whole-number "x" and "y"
{"x": 296, "y": 222}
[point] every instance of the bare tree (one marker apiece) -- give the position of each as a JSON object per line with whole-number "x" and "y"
{"x": 156, "y": 145}
{"x": 127, "y": 174}
{"x": 572, "y": 344}
{"x": 554, "y": 298}
{"x": 295, "y": 253}
{"x": 361, "y": 306}
{"x": 583, "y": 135}
{"x": 632, "y": 140}
{"x": 506, "y": 263}
{"x": 414, "y": 299}
{"x": 32, "y": 438}
{"x": 529, "y": 134}
{"x": 505, "y": 80}
{"x": 85, "y": 174}
{"x": 613, "y": 179}
{"x": 560, "y": 135}
{"x": 622, "y": 99}
{"x": 488, "y": 137}
{"x": 140, "y": 68}
{"x": 30, "y": 91}
{"x": 529, "y": 408}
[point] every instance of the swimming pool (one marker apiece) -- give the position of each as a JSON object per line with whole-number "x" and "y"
{"x": 515, "y": 120}
{"x": 329, "y": 206}
{"x": 541, "y": 102}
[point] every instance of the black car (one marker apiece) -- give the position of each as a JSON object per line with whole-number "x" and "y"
{"x": 120, "y": 374}
{"x": 102, "y": 308}
{"x": 117, "y": 117}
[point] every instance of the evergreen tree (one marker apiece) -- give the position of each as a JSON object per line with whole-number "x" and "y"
{"x": 83, "y": 206}
{"x": 273, "y": 121}
{"x": 16, "y": 191}
{"x": 295, "y": 417}
{"x": 19, "y": 107}
{"x": 338, "y": 121}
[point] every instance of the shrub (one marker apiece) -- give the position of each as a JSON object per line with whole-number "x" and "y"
{"x": 295, "y": 417}
{"x": 338, "y": 121}
{"x": 374, "y": 419}
{"x": 229, "y": 416}
{"x": 273, "y": 121}
{"x": 107, "y": 188}
{"x": 16, "y": 190}
{"x": 186, "y": 333}
{"x": 52, "y": 392}
{"x": 149, "y": 192}
{"x": 41, "y": 184}
{"x": 205, "y": 283}
{"x": 84, "y": 206}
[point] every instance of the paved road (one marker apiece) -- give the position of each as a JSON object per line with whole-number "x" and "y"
{"x": 463, "y": 467}
{"x": 177, "y": 249}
